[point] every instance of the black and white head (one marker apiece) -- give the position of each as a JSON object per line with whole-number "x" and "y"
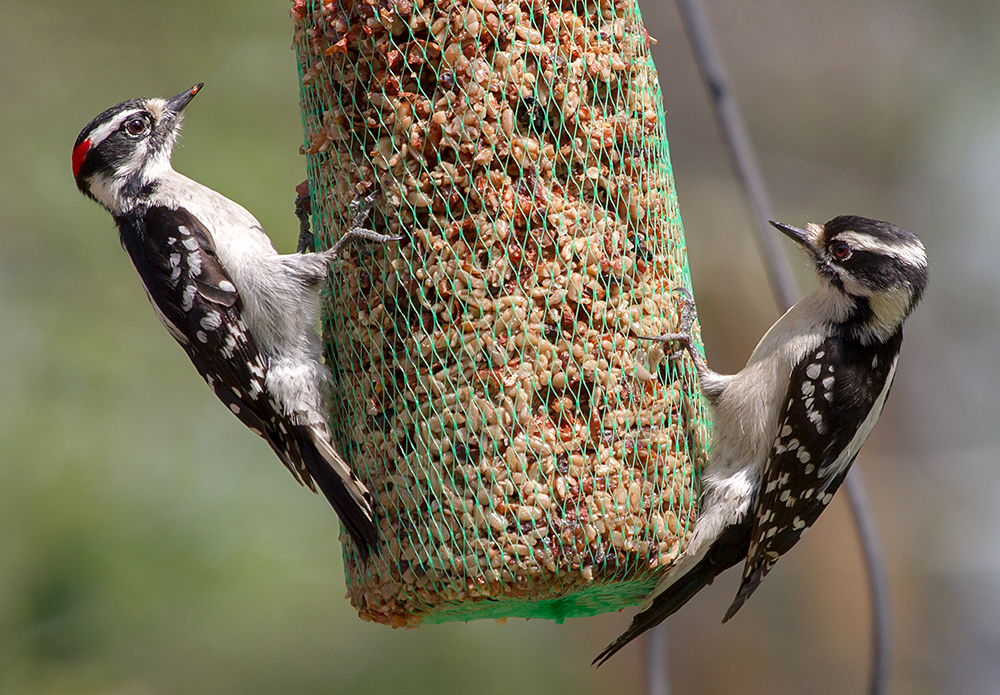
{"x": 127, "y": 147}
{"x": 879, "y": 268}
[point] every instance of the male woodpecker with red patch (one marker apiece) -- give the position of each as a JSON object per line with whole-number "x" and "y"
{"x": 786, "y": 429}
{"x": 245, "y": 315}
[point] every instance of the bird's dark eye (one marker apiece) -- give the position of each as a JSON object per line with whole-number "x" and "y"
{"x": 841, "y": 251}
{"x": 135, "y": 126}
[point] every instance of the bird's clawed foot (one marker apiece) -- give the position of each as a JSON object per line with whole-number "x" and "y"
{"x": 683, "y": 336}
{"x": 360, "y": 208}
{"x": 303, "y": 210}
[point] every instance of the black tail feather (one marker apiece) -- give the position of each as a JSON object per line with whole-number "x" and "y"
{"x": 664, "y": 605}
{"x": 730, "y": 549}
{"x": 748, "y": 586}
{"x": 357, "y": 518}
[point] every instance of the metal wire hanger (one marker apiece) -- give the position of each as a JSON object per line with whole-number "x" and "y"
{"x": 783, "y": 287}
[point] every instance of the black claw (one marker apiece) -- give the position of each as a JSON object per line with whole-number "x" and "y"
{"x": 303, "y": 210}
{"x": 688, "y": 313}
{"x": 360, "y": 208}
{"x": 684, "y": 335}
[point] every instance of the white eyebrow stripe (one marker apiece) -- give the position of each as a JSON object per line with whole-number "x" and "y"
{"x": 911, "y": 253}
{"x": 102, "y": 132}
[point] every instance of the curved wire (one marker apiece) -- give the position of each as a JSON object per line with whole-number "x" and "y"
{"x": 657, "y": 682}
{"x": 878, "y": 582}
{"x": 782, "y": 282}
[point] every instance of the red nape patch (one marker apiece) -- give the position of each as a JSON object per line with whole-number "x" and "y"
{"x": 79, "y": 154}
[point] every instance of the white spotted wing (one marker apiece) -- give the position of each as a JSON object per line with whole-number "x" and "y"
{"x": 196, "y": 300}
{"x": 834, "y": 398}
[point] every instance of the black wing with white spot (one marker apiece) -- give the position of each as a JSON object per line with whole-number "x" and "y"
{"x": 835, "y": 395}
{"x": 192, "y": 294}
{"x": 198, "y": 303}
{"x": 201, "y": 308}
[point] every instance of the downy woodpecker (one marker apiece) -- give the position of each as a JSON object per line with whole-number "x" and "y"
{"x": 786, "y": 429}
{"x": 246, "y": 316}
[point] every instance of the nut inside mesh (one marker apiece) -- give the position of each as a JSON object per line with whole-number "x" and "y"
{"x": 523, "y": 446}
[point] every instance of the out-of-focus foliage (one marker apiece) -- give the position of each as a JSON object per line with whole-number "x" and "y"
{"x": 149, "y": 544}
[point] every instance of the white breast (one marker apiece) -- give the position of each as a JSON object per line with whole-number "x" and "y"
{"x": 279, "y": 311}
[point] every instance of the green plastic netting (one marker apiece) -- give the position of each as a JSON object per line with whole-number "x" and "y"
{"x": 527, "y": 454}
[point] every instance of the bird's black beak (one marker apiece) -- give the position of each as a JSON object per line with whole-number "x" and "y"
{"x": 796, "y": 234}
{"x": 808, "y": 239}
{"x": 176, "y": 104}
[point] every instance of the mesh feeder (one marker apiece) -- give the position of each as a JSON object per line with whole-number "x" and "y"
{"x": 528, "y": 455}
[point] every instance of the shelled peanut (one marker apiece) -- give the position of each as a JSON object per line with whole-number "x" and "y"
{"x": 494, "y": 395}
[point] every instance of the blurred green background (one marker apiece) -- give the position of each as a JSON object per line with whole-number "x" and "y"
{"x": 149, "y": 544}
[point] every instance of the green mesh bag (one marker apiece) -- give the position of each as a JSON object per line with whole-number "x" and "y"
{"x": 528, "y": 455}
